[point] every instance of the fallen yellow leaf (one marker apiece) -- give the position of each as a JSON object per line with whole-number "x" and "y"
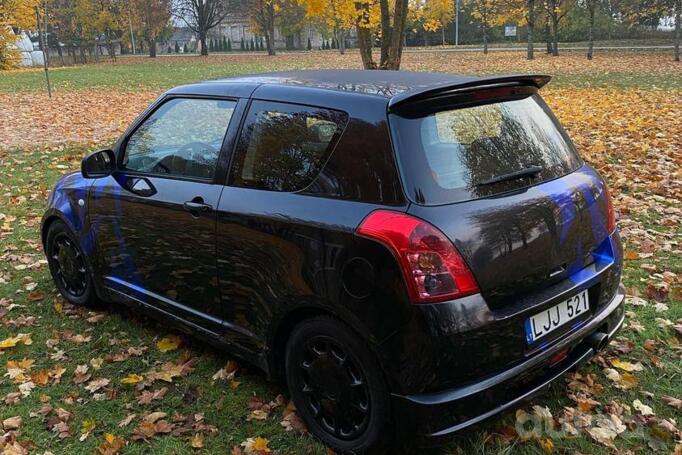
{"x": 87, "y": 426}
{"x": 261, "y": 445}
{"x": 13, "y": 341}
{"x": 169, "y": 343}
{"x": 627, "y": 366}
{"x": 197, "y": 441}
{"x": 132, "y": 379}
{"x": 8, "y": 343}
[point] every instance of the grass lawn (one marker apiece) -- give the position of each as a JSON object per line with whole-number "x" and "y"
{"x": 654, "y": 69}
{"x": 624, "y": 110}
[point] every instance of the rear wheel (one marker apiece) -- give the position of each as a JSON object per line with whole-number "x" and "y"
{"x": 68, "y": 266}
{"x": 337, "y": 387}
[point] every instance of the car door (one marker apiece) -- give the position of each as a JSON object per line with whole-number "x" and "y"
{"x": 155, "y": 218}
{"x": 270, "y": 242}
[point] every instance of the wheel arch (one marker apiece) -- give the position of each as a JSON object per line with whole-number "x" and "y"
{"x": 287, "y": 323}
{"x": 54, "y": 215}
{"x": 282, "y": 333}
{"x": 49, "y": 219}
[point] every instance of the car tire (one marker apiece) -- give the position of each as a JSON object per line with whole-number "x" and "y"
{"x": 338, "y": 387}
{"x": 69, "y": 266}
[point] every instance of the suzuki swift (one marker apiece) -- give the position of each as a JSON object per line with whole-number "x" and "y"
{"x": 411, "y": 253}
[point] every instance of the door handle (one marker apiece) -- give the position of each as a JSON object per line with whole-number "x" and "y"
{"x": 195, "y": 208}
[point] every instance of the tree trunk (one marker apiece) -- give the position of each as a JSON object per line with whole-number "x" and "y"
{"x": 555, "y": 27}
{"x": 385, "y": 31}
{"x": 531, "y": 25}
{"x": 590, "y": 34}
{"x": 341, "y": 40}
{"x": 270, "y": 40}
{"x": 555, "y": 37}
{"x": 152, "y": 48}
{"x": 485, "y": 38}
{"x": 60, "y": 53}
{"x": 442, "y": 33}
{"x": 548, "y": 36}
{"x": 202, "y": 40}
{"x": 270, "y": 29}
{"x": 395, "y": 50}
{"x": 110, "y": 45}
{"x": 365, "y": 46}
{"x": 678, "y": 26}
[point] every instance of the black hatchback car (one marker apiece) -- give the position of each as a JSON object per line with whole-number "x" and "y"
{"x": 412, "y": 253}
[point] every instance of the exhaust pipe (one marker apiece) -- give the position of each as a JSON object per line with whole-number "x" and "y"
{"x": 597, "y": 341}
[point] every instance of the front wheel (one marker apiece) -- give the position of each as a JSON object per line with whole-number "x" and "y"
{"x": 337, "y": 387}
{"x": 68, "y": 266}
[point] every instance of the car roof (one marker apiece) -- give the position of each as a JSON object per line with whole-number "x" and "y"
{"x": 398, "y": 87}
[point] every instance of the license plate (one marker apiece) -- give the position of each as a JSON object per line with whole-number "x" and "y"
{"x": 545, "y": 322}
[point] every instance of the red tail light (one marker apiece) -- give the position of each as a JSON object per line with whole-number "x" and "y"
{"x": 432, "y": 267}
{"x": 610, "y": 212}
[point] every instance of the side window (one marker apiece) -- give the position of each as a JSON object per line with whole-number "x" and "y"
{"x": 183, "y": 137}
{"x": 283, "y": 147}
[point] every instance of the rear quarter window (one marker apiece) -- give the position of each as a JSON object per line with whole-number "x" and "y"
{"x": 283, "y": 147}
{"x": 445, "y": 156}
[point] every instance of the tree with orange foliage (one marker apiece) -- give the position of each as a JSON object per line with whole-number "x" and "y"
{"x": 437, "y": 15}
{"x": 18, "y": 14}
{"x": 556, "y": 11}
{"x": 387, "y": 17}
{"x": 489, "y": 13}
{"x": 264, "y": 14}
{"x": 339, "y": 16}
{"x": 652, "y": 12}
{"x": 151, "y": 20}
{"x": 390, "y": 18}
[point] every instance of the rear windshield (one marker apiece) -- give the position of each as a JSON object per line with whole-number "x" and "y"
{"x": 467, "y": 153}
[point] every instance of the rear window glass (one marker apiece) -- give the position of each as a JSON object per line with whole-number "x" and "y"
{"x": 452, "y": 155}
{"x": 283, "y": 146}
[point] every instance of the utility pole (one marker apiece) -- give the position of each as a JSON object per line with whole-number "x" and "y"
{"x": 41, "y": 37}
{"x": 456, "y": 22}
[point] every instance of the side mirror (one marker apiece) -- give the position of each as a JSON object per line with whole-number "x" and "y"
{"x": 98, "y": 164}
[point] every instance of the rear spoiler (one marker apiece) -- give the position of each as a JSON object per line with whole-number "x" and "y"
{"x": 410, "y": 96}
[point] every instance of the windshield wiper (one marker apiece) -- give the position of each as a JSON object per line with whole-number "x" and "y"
{"x": 529, "y": 171}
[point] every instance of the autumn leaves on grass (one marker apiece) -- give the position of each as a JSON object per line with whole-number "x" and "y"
{"x": 148, "y": 386}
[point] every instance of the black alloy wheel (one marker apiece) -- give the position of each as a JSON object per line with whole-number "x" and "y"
{"x": 337, "y": 386}
{"x": 68, "y": 265}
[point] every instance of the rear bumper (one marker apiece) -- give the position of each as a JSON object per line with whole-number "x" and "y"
{"x": 435, "y": 416}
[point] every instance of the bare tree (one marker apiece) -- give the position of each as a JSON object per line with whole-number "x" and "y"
{"x": 201, "y": 16}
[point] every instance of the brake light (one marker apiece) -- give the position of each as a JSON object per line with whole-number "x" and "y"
{"x": 431, "y": 265}
{"x": 610, "y": 212}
